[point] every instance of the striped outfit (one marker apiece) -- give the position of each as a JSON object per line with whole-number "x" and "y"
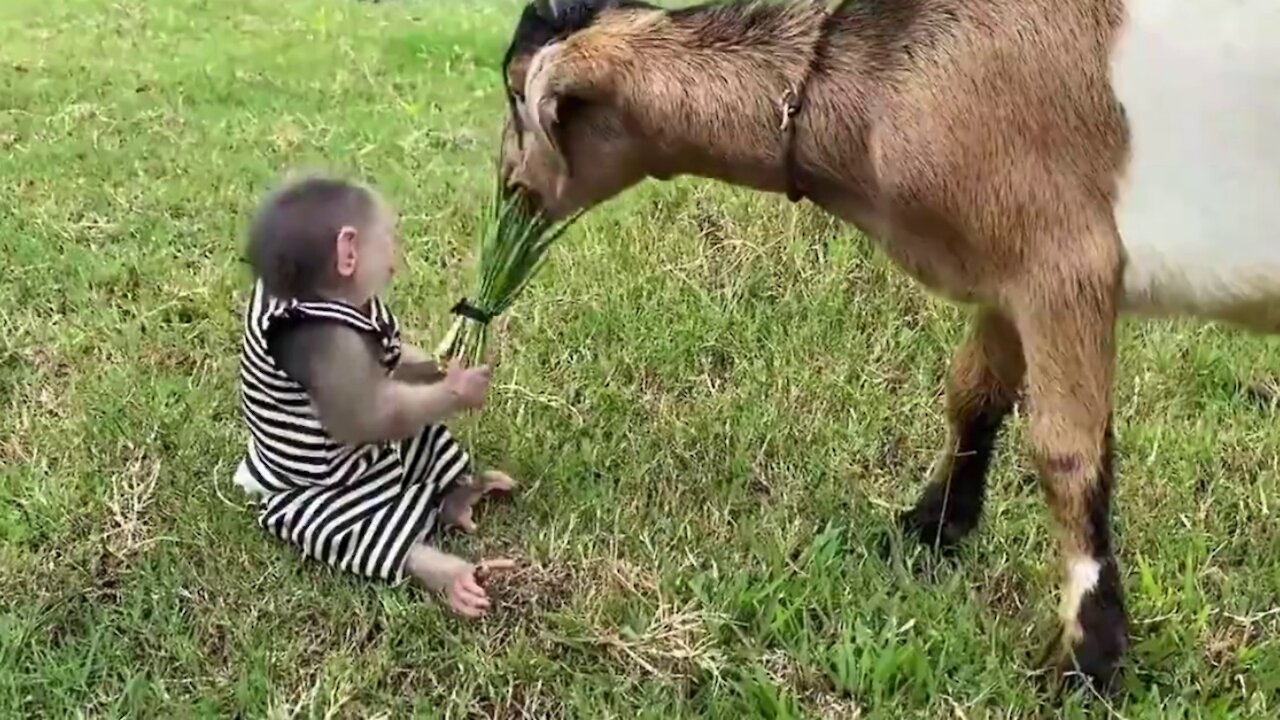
{"x": 356, "y": 508}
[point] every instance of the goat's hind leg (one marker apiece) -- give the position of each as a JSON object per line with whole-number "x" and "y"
{"x": 982, "y": 385}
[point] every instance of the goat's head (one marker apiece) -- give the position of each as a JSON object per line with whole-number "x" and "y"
{"x": 566, "y": 143}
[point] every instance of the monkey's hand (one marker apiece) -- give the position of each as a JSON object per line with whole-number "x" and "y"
{"x": 466, "y": 592}
{"x": 468, "y": 385}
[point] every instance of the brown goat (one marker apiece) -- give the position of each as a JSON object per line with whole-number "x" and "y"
{"x": 1010, "y": 156}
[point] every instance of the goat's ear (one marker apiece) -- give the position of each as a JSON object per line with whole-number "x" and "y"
{"x": 546, "y": 90}
{"x": 547, "y": 110}
{"x": 549, "y": 9}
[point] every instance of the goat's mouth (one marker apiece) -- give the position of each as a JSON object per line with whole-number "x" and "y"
{"x": 530, "y": 202}
{"x": 526, "y": 201}
{"x": 550, "y": 204}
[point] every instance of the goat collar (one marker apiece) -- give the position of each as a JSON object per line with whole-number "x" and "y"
{"x": 793, "y": 101}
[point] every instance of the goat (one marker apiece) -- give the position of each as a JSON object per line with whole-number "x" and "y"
{"x": 1050, "y": 164}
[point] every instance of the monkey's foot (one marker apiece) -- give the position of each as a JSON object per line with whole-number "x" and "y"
{"x": 456, "y": 510}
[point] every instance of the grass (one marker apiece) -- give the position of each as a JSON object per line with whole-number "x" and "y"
{"x": 716, "y": 402}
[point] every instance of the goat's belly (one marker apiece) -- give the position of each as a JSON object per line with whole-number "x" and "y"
{"x": 1199, "y": 207}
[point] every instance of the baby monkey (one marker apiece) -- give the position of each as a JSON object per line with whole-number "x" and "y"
{"x": 347, "y": 450}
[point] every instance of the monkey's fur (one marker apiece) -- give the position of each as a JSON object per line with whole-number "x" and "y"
{"x": 327, "y": 247}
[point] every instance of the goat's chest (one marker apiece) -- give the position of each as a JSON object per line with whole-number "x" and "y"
{"x": 1199, "y": 203}
{"x": 921, "y": 243}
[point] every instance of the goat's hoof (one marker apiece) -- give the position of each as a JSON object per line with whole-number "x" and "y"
{"x": 927, "y": 525}
{"x": 1092, "y": 661}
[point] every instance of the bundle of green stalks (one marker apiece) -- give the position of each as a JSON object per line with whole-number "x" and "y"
{"x": 511, "y": 248}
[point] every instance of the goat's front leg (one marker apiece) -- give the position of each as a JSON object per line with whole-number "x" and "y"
{"x": 1068, "y": 334}
{"x": 982, "y": 385}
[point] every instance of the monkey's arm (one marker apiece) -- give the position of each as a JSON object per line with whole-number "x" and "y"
{"x": 416, "y": 366}
{"x": 356, "y": 400}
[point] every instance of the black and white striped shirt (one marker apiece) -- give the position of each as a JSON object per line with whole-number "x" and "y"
{"x": 289, "y": 447}
{"x": 359, "y": 508}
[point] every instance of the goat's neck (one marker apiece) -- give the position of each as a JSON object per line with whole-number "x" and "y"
{"x": 714, "y": 110}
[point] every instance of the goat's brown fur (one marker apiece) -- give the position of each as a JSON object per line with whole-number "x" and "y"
{"x": 1012, "y": 214}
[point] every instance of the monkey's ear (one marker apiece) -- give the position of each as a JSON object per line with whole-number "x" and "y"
{"x": 345, "y": 262}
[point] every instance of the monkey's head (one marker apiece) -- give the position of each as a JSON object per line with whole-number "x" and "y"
{"x": 322, "y": 237}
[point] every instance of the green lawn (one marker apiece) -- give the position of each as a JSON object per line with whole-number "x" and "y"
{"x": 716, "y": 402}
